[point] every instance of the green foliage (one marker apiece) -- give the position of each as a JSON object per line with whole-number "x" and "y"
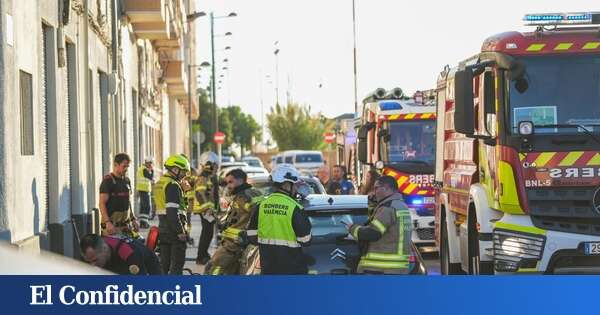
{"x": 238, "y": 127}
{"x": 294, "y": 127}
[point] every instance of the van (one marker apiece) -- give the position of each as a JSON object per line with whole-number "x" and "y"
{"x": 307, "y": 162}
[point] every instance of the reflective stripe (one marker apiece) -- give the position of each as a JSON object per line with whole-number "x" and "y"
{"x": 278, "y": 242}
{"x": 379, "y": 226}
{"x": 252, "y": 232}
{"x": 563, "y": 46}
{"x": 520, "y": 228}
{"x": 591, "y": 45}
{"x": 216, "y": 271}
{"x": 304, "y": 239}
{"x": 172, "y": 205}
{"x": 383, "y": 265}
{"x": 232, "y": 233}
{"x": 355, "y": 232}
{"x": 536, "y": 47}
{"x": 390, "y": 257}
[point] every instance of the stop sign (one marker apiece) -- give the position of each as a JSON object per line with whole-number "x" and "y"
{"x": 219, "y": 138}
{"x": 329, "y": 137}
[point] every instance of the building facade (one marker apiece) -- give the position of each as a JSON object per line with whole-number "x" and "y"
{"x": 81, "y": 81}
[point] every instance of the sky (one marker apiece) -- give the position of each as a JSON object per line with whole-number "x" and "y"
{"x": 400, "y": 43}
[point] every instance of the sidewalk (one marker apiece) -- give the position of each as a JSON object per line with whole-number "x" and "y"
{"x": 190, "y": 255}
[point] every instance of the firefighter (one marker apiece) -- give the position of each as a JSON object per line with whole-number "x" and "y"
{"x": 226, "y": 259}
{"x": 115, "y": 206}
{"x": 207, "y": 197}
{"x": 386, "y": 235}
{"x": 173, "y": 235}
{"x": 280, "y": 227}
{"x": 143, "y": 186}
{"x": 120, "y": 255}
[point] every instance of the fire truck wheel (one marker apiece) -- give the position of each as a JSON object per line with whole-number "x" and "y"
{"x": 447, "y": 268}
{"x": 476, "y": 266}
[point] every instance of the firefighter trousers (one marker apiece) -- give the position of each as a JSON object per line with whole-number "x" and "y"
{"x": 226, "y": 260}
{"x": 172, "y": 257}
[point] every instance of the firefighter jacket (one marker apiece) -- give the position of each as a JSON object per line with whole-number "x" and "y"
{"x": 206, "y": 193}
{"x": 280, "y": 228}
{"x": 143, "y": 179}
{"x": 388, "y": 236}
{"x": 171, "y": 214}
{"x": 244, "y": 197}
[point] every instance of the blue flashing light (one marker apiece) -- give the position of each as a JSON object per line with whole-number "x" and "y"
{"x": 560, "y": 18}
{"x": 414, "y": 200}
{"x": 389, "y": 105}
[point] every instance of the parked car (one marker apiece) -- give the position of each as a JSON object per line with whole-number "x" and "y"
{"x": 332, "y": 251}
{"x": 263, "y": 184}
{"x": 227, "y": 159}
{"x": 253, "y": 161}
{"x": 232, "y": 164}
{"x": 307, "y": 162}
{"x": 251, "y": 171}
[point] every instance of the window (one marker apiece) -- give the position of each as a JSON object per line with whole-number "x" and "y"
{"x": 309, "y": 158}
{"x": 289, "y": 159}
{"x": 26, "y": 90}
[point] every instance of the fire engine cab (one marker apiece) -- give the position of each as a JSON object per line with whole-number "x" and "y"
{"x": 397, "y": 137}
{"x": 518, "y": 152}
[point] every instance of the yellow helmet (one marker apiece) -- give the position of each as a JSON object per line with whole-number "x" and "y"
{"x": 178, "y": 161}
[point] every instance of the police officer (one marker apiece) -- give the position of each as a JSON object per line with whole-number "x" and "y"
{"x": 119, "y": 254}
{"x": 114, "y": 203}
{"x": 173, "y": 235}
{"x": 280, "y": 227}
{"x": 143, "y": 186}
{"x": 207, "y": 198}
{"x": 386, "y": 234}
{"x": 227, "y": 257}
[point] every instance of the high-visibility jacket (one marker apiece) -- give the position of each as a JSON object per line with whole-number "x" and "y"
{"x": 388, "y": 233}
{"x": 280, "y": 228}
{"x": 204, "y": 194}
{"x": 142, "y": 183}
{"x": 160, "y": 196}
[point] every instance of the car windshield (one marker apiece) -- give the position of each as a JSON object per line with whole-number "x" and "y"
{"x": 253, "y": 162}
{"x": 560, "y": 90}
{"x": 309, "y": 158}
{"x": 411, "y": 141}
{"x": 329, "y": 224}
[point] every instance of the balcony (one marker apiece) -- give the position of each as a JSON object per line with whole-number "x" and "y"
{"x": 150, "y": 18}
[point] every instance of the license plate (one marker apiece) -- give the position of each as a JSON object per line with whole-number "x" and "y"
{"x": 592, "y": 248}
{"x": 429, "y": 200}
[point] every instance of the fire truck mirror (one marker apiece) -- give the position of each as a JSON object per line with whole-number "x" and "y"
{"x": 521, "y": 85}
{"x": 463, "y": 102}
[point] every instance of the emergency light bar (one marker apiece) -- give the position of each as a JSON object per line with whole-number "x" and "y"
{"x": 390, "y": 105}
{"x": 581, "y": 18}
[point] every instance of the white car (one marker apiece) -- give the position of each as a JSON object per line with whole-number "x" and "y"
{"x": 307, "y": 162}
{"x": 253, "y": 161}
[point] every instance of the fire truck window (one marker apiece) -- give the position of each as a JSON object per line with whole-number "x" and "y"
{"x": 563, "y": 90}
{"x": 411, "y": 141}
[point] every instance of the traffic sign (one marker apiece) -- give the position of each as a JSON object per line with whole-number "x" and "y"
{"x": 329, "y": 137}
{"x": 219, "y": 138}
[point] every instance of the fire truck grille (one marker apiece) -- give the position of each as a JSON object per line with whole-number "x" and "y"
{"x": 426, "y": 234}
{"x": 568, "y": 210}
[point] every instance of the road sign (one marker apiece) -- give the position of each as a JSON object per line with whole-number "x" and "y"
{"x": 329, "y": 137}
{"x": 201, "y": 137}
{"x": 219, "y": 138}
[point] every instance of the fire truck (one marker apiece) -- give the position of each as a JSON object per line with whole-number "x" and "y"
{"x": 518, "y": 152}
{"x": 397, "y": 137}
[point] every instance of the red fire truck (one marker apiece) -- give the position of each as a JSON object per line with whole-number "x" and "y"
{"x": 397, "y": 137}
{"x": 518, "y": 152}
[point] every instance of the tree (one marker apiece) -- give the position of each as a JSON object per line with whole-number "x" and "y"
{"x": 243, "y": 127}
{"x": 294, "y": 127}
{"x": 207, "y": 122}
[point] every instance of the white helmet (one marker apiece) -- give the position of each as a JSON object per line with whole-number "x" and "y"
{"x": 285, "y": 173}
{"x": 149, "y": 159}
{"x": 209, "y": 157}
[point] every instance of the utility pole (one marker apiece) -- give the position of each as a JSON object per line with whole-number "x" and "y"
{"x": 214, "y": 93}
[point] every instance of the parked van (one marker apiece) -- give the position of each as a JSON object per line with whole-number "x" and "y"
{"x": 307, "y": 162}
